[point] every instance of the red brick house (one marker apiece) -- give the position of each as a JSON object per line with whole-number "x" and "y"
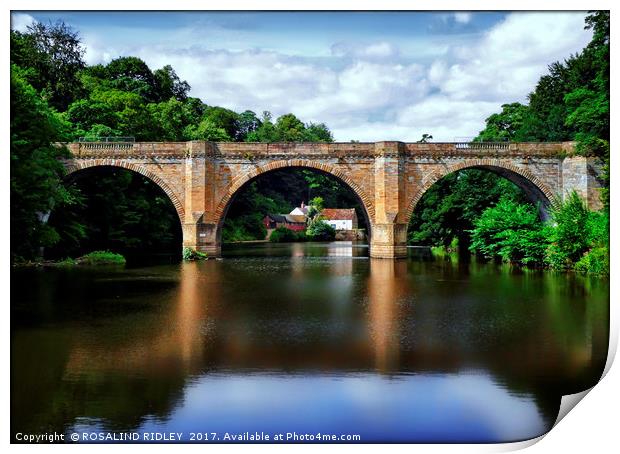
{"x": 289, "y": 221}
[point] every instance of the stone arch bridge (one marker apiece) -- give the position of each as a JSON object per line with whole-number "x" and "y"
{"x": 389, "y": 178}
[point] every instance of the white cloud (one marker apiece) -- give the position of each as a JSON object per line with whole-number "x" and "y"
{"x": 462, "y": 17}
{"x": 20, "y": 21}
{"x": 373, "y": 90}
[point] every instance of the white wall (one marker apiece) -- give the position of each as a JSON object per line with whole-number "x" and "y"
{"x": 340, "y": 224}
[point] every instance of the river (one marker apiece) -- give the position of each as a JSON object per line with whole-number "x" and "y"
{"x": 303, "y": 339}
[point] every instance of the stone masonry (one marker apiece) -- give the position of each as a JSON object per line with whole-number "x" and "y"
{"x": 389, "y": 178}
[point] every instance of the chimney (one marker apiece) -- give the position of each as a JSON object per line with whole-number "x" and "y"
{"x": 302, "y": 205}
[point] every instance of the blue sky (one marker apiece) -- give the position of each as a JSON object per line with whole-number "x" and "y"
{"x": 369, "y": 76}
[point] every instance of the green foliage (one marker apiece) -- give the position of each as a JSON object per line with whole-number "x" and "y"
{"x": 190, "y": 254}
{"x": 571, "y": 235}
{"x": 450, "y": 207}
{"x": 53, "y": 55}
{"x": 279, "y": 192}
{"x": 244, "y": 228}
{"x": 506, "y": 125}
{"x": 574, "y": 238}
{"x": 510, "y": 231}
{"x": 425, "y": 138}
{"x": 595, "y": 261}
{"x": 101, "y": 258}
{"x": 125, "y": 98}
{"x": 288, "y": 128}
{"x": 207, "y": 130}
{"x": 168, "y": 85}
{"x": 320, "y": 231}
{"x": 284, "y": 235}
{"x": 118, "y": 210}
{"x": 36, "y": 172}
{"x": 571, "y": 102}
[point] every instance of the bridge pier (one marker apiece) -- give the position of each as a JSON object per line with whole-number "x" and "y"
{"x": 388, "y": 241}
{"x": 202, "y": 237}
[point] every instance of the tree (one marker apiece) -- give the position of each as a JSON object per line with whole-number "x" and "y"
{"x": 247, "y": 123}
{"x": 504, "y": 126}
{"x": 83, "y": 114}
{"x": 53, "y": 53}
{"x": 122, "y": 211}
{"x": 317, "y": 132}
{"x": 289, "y": 128}
{"x": 36, "y": 171}
{"x": 131, "y": 74}
{"x": 265, "y": 132}
{"x": 169, "y": 85}
{"x": 207, "y": 130}
{"x": 425, "y": 138}
{"x": 222, "y": 118}
{"x": 450, "y": 207}
{"x": 171, "y": 119}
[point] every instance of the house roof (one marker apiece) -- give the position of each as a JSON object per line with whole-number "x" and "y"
{"x": 298, "y": 211}
{"x": 338, "y": 214}
{"x": 277, "y": 217}
{"x": 287, "y": 218}
{"x": 295, "y": 218}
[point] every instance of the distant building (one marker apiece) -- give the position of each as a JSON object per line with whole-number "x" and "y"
{"x": 340, "y": 218}
{"x": 291, "y": 222}
{"x": 300, "y": 210}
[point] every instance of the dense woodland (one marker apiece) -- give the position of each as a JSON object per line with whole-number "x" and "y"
{"x": 56, "y": 97}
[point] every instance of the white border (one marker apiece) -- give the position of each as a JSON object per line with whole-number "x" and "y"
{"x": 590, "y": 427}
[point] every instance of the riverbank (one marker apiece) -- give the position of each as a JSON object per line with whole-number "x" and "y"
{"x": 94, "y": 258}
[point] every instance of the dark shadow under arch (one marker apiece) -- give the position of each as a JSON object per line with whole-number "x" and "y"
{"x": 172, "y": 221}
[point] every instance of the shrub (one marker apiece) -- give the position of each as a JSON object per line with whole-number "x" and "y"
{"x": 100, "y": 258}
{"x": 595, "y": 261}
{"x": 190, "y": 254}
{"x": 282, "y": 235}
{"x": 571, "y": 232}
{"x": 510, "y": 231}
{"x": 320, "y": 231}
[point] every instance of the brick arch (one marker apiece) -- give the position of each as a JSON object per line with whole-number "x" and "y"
{"x": 332, "y": 170}
{"x": 488, "y": 164}
{"x": 76, "y": 165}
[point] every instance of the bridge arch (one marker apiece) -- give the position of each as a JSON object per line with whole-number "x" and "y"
{"x": 529, "y": 183}
{"x": 76, "y": 166}
{"x": 329, "y": 169}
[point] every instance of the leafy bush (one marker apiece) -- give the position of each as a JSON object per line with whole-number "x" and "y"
{"x": 190, "y": 254}
{"x": 283, "y": 235}
{"x": 595, "y": 261}
{"x": 320, "y": 231}
{"x": 244, "y": 228}
{"x": 570, "y": 233}
{"x": 510, "y": 231}
{"x": 101, "y": 258}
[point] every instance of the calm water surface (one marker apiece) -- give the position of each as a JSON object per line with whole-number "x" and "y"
{"x": 304, "y": 338}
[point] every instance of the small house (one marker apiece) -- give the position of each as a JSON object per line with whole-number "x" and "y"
{"x": 340, "y": 218}
{"x": 291, "y": 222}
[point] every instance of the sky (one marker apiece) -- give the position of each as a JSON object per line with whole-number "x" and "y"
{"x": 369, "y": 76}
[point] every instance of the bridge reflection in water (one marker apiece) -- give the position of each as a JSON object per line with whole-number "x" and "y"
{"x": 304, "y": 337}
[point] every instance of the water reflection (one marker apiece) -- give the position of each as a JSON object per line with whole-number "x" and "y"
{"x": 305, "y": 337}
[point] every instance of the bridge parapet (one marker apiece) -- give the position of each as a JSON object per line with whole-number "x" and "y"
{"x": 491, "y": 149}
{"x": 127, "y": 149}
{"x": 236, "y": 150}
